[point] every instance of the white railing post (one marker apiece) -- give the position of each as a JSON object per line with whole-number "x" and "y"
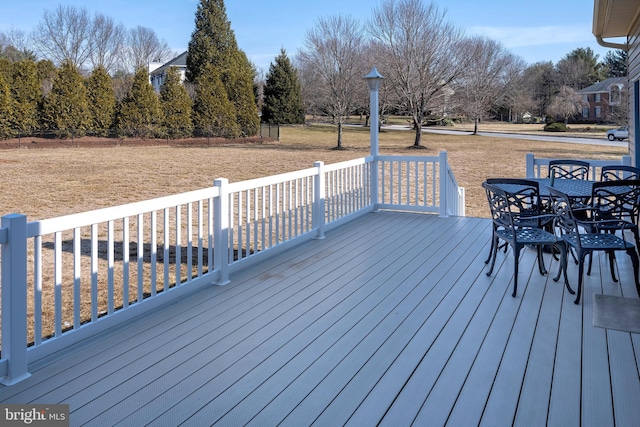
{"x": 318, "y": 200}
{"x": 444, "y": 184}
{"x": 530, "y": 166}
{"x": 221, "y": 230}
{"x": 374, "y": 165}
{"x": 14, "y": 298}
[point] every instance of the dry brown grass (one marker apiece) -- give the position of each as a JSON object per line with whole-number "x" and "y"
{"x": 45, "y": 183}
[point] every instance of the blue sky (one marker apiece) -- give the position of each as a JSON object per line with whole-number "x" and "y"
{"x": 543, "y": 30}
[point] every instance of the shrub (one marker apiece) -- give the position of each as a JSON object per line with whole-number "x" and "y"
{"x": 555, "y": 127}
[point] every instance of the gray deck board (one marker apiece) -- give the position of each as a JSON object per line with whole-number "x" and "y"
{"x": 389, "y": 320}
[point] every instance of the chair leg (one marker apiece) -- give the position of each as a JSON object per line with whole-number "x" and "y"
{"x": 493, "y": 255}
{"x": 541, "y": 266}
{"x": 580, "y": 278}
{"x": 516, "y": 256}
{"x": 490, "y": 251}
{"x": 563, "y": 267}
{"x": 612, "y": 266}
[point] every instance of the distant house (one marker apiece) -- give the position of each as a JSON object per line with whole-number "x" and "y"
{"x": 603, "y": 98}
{"x": 158, "y": 70}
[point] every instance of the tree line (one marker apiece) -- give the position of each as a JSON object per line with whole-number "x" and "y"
{"x": 433, "y": 73}
{"x": 59, "y": 94}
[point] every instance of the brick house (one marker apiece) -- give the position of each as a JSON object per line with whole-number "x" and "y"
{"x": 604, "y": 99}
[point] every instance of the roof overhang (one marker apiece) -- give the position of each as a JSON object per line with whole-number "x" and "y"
{"x": 614, "y": 19}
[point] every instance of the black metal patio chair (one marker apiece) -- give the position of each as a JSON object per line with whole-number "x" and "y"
{"x": 515, "y": 224}
{"x": 617, "y": 202}
{"x": 618, "y": 172}
{"x": 584, "y": 237}
{"x": 530, "y": 203}
{"x": 568, "y": 169}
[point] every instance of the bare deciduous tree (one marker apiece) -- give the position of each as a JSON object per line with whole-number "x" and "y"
{"x": 107, "y": 41}
{"x": 487, "y": 78}
{"x": 422, "y": 51}
{"x": 64, "y": 35}
{"x": 579, "y": 69}
{"x": 14, "y": 46}
{"x": 568, "y": 102}
{"x": 332, "y": 66}
{"x": 518, "y": 100}
{"x": 144, "y": 46}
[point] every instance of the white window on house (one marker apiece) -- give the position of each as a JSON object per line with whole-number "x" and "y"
{"x": 597, "y": 97}
{"x": 585, "y": 98}
{"x": 614, "y": 95}
{"x": 598, "y": 112}
{"x": 585, "y": 112}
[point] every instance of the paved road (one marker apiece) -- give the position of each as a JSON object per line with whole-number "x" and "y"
{"x": 574, "y": 140}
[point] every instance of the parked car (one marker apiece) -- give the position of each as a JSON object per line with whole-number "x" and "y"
{"x": 619, "y": 134}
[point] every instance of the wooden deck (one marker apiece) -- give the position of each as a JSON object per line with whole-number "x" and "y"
{"x": 389, "y": 320}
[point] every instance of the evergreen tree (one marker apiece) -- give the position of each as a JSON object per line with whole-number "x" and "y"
{"x": 211, "y": 41}
{"x": 46, "y": 71}
{"x": 240, "y": 91}
{"x": 282, "y": 99}
{"x": 580, "y": 68}
{"x": 5, "y": 108}
{"x": 26, "y": 93}
{"x": 66, "y": 109}
{"x": 140, "y": 111}
{"x": 102, "y": 101}
{"x": 213, "y": 115}
{"x": 6, "y": 69}
{"x": 214, "y": 43}
{"x": 176, "y": 106}
{"x": 616, "y": 62}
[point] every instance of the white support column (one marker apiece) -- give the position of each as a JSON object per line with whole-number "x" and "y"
{"x": 14, "y": 298}
{"x": 374, "y": 80}
{"x": 319, "y": 200}
{"x": 221, "y": 231}
{"x": 374, "y": 141}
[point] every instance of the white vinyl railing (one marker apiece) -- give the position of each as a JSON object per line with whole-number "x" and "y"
{"x": 539, "y": 167}
{"x": 424, "y": 184}
{"x": 65, "y": 279}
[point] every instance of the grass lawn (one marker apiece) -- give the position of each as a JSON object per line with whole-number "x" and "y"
{"x": 45, "y": 183}
{"x": 49, "y": 182}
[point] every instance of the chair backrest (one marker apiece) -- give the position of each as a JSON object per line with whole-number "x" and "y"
{"x": 511, "y": 200}
{"x": 498, "y": 205}
{"x": 617, "y": 172}
{"x": 568, "y": 169}
{"x": 617, "y": 199}
{"x": 565, "y": 219}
